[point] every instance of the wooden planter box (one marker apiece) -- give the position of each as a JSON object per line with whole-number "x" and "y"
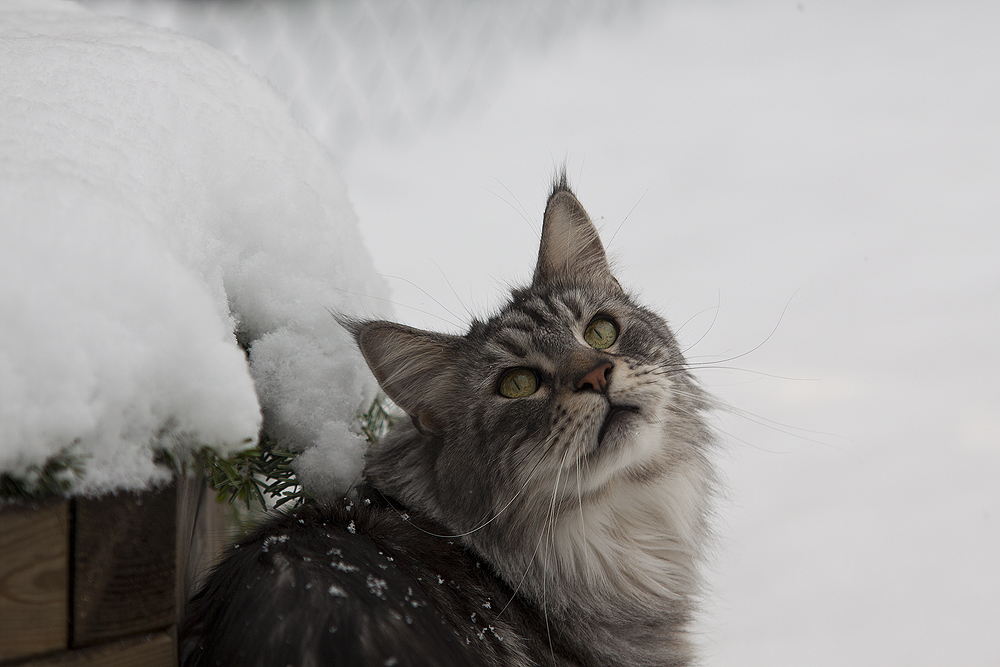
{"x": 102, "y": 581}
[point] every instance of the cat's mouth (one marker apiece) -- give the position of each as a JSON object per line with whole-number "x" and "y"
{"x": 615, "y": 415}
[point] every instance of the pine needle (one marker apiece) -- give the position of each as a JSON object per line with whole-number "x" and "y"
{"x": 261, "y": 476}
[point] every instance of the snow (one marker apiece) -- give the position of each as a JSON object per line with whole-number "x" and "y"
{"x": 159, "y": 202}
{"x": 805, "y": 189}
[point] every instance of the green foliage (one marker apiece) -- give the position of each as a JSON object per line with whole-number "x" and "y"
{"x": 254, "y": 476}
{"x": 259, "y": 477}
{"x": 55, "y": 478}
{"x": 379, "y": 418}
{"x": 264, "y": 476}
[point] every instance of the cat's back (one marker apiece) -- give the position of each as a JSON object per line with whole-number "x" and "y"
{"x": 358, "y": 583}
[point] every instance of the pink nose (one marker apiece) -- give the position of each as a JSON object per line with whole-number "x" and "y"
{"x": 595, "y": 380}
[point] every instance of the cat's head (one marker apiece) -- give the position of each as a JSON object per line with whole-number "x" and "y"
{"x": 570, "y": 391}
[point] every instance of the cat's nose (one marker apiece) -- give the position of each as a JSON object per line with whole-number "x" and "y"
{"x": 595, "y": 380}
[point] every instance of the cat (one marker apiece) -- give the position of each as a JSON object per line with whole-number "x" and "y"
{"x": 544, "y": 504}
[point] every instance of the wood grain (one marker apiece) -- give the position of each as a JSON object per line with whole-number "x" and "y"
{"x": 34, "y": 578}
{"x": 203, "y": 531}
{"x": 152, "y": 650}
{"x": 125, "y": 565}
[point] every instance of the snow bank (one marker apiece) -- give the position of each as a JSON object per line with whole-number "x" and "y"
{"x": 157, "y": 203}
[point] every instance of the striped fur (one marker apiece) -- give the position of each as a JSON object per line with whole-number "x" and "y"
{"x": 583, "y": 503}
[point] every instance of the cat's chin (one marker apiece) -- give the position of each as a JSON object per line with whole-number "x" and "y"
{"x": 626, "y": 447}
{"x": 617, "y": 423}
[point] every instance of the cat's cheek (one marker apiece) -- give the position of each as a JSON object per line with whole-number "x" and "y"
{"x": 646, "y": 447}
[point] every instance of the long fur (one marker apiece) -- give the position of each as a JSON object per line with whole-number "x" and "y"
{"x": 583, "y": 504}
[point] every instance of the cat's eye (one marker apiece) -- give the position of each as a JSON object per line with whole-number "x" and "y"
{"x": 519, "y": 383}
{"x": 601, "y": 333}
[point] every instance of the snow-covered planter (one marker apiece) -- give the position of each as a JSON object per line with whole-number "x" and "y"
{"x": 171, "y": 244}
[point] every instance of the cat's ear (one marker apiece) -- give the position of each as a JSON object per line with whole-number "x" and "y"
{"x": 571, "y": 249}
{"x": 413, "y": 367}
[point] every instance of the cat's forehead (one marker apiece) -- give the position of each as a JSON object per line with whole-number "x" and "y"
{"x": 547, "y": 313}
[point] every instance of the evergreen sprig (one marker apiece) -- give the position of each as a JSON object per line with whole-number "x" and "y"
{"x": 55, "y": 478}
{"x": 261, "y": 476}
{"x": 264, "y": 474}
{"x": 378, "y": 419}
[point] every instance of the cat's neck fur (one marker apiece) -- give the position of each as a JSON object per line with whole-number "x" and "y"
{"x": 613, "y": 572}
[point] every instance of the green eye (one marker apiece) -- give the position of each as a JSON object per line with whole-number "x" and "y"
{"x": 518, "y": 383}
{"x": 601, "y": 333}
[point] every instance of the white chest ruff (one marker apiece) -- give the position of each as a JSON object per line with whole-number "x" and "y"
{"x": 637, "y": 543}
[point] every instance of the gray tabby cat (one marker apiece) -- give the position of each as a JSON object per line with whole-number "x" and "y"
{"x": 545, "y": 503}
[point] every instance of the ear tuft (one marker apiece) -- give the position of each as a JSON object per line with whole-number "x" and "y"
{"x": 560, "y": 183}
{"x": 571, "y": 249}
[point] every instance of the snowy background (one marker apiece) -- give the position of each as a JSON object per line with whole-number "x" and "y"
{"x": 807, "y": 190}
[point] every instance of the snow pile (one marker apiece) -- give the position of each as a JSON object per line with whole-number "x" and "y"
{"x": 158, "y": 203}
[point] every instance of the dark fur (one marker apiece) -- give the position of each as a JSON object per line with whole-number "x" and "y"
{"x": 578, "y": 512}
{"x": 401, "y": 594}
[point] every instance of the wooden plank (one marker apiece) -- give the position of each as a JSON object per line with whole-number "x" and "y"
{"x": 203, "y": 531}
{"x": 153, "y": 650}
{"x": 124, "y": 565}
{"x": 34, "y": 578}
